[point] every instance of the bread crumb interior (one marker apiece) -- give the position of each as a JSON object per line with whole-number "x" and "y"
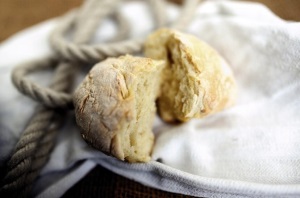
{"x": 137, "y": 137}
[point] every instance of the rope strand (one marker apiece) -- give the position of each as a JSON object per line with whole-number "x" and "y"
{"x": 94, "y": 53}
{"x": 26, "y": 163}
{"x": 47, "y": 96}
{"x": 36, "y": 142}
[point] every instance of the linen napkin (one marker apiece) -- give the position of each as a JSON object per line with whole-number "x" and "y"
{"x": 249, "y": 150}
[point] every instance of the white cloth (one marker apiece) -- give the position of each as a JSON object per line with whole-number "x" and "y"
{"x": 251, "y": 149}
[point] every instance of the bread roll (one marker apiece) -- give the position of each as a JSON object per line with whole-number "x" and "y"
{"x": 115, "y": 106}
{"x": 196, "y": 80}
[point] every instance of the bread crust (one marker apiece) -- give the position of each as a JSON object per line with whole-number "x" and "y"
{"x": 115, "y": 103}
{"x": 105, "y": 105}
{"x": 196, "y": 82}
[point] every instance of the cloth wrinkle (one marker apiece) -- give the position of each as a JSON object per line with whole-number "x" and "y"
{"x": 249, "y": 150}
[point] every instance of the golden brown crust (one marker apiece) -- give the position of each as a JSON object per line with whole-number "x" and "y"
{"x": 115, "y": 104}
{"x": 196, "y": 80}
{"x": 106, "y": 106}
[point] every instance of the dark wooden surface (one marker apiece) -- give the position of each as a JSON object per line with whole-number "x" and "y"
{"x": 16, "y": 15}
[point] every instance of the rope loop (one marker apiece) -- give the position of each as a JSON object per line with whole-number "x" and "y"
{"x": 47, "y": 96}
{"x": 73, "y": 51}
{"x": 37, "y": 140}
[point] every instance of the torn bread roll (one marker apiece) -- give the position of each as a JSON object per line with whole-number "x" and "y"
{"x": 196, "y": 80}
{"x": 115, "y": 106}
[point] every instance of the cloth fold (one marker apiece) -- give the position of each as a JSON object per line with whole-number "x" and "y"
{"x": 251, "y": 149}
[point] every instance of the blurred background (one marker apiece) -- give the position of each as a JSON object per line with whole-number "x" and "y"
{"x": 16, "y": 15}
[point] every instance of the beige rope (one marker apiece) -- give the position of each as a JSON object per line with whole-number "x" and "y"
{"x": 188, "y": 10}
{"x": 52, "y": 98}
{"x": 37, "y": 140}
{"x": 46, "y": 96}
{"x": 159, "y": 14}
{"x": 86, "y": 18}
{"x": 21, "y": 161}
{"x": 26, "y": 162}
{"x": 88, "y": 53}
{"x": 95, "y": 53}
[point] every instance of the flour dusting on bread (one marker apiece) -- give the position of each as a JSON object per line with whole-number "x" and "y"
{"x": 196, "y": 80}
{"x": 115, "y": 106}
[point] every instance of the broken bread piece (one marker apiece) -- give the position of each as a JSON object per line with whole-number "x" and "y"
{"x": 115, "y": 106}
{"x": 196, "y": 81}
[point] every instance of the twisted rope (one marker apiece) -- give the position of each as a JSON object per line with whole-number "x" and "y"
{"x": 95, "y": 53}
{"x": 21, "y": 161}
{"x": 78, "y": 53}
{"x": 47, "y": 96}
{"x": 26, "y": 163}
{"x": 88, "y": 53}
{"x": 35, "y": 144}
